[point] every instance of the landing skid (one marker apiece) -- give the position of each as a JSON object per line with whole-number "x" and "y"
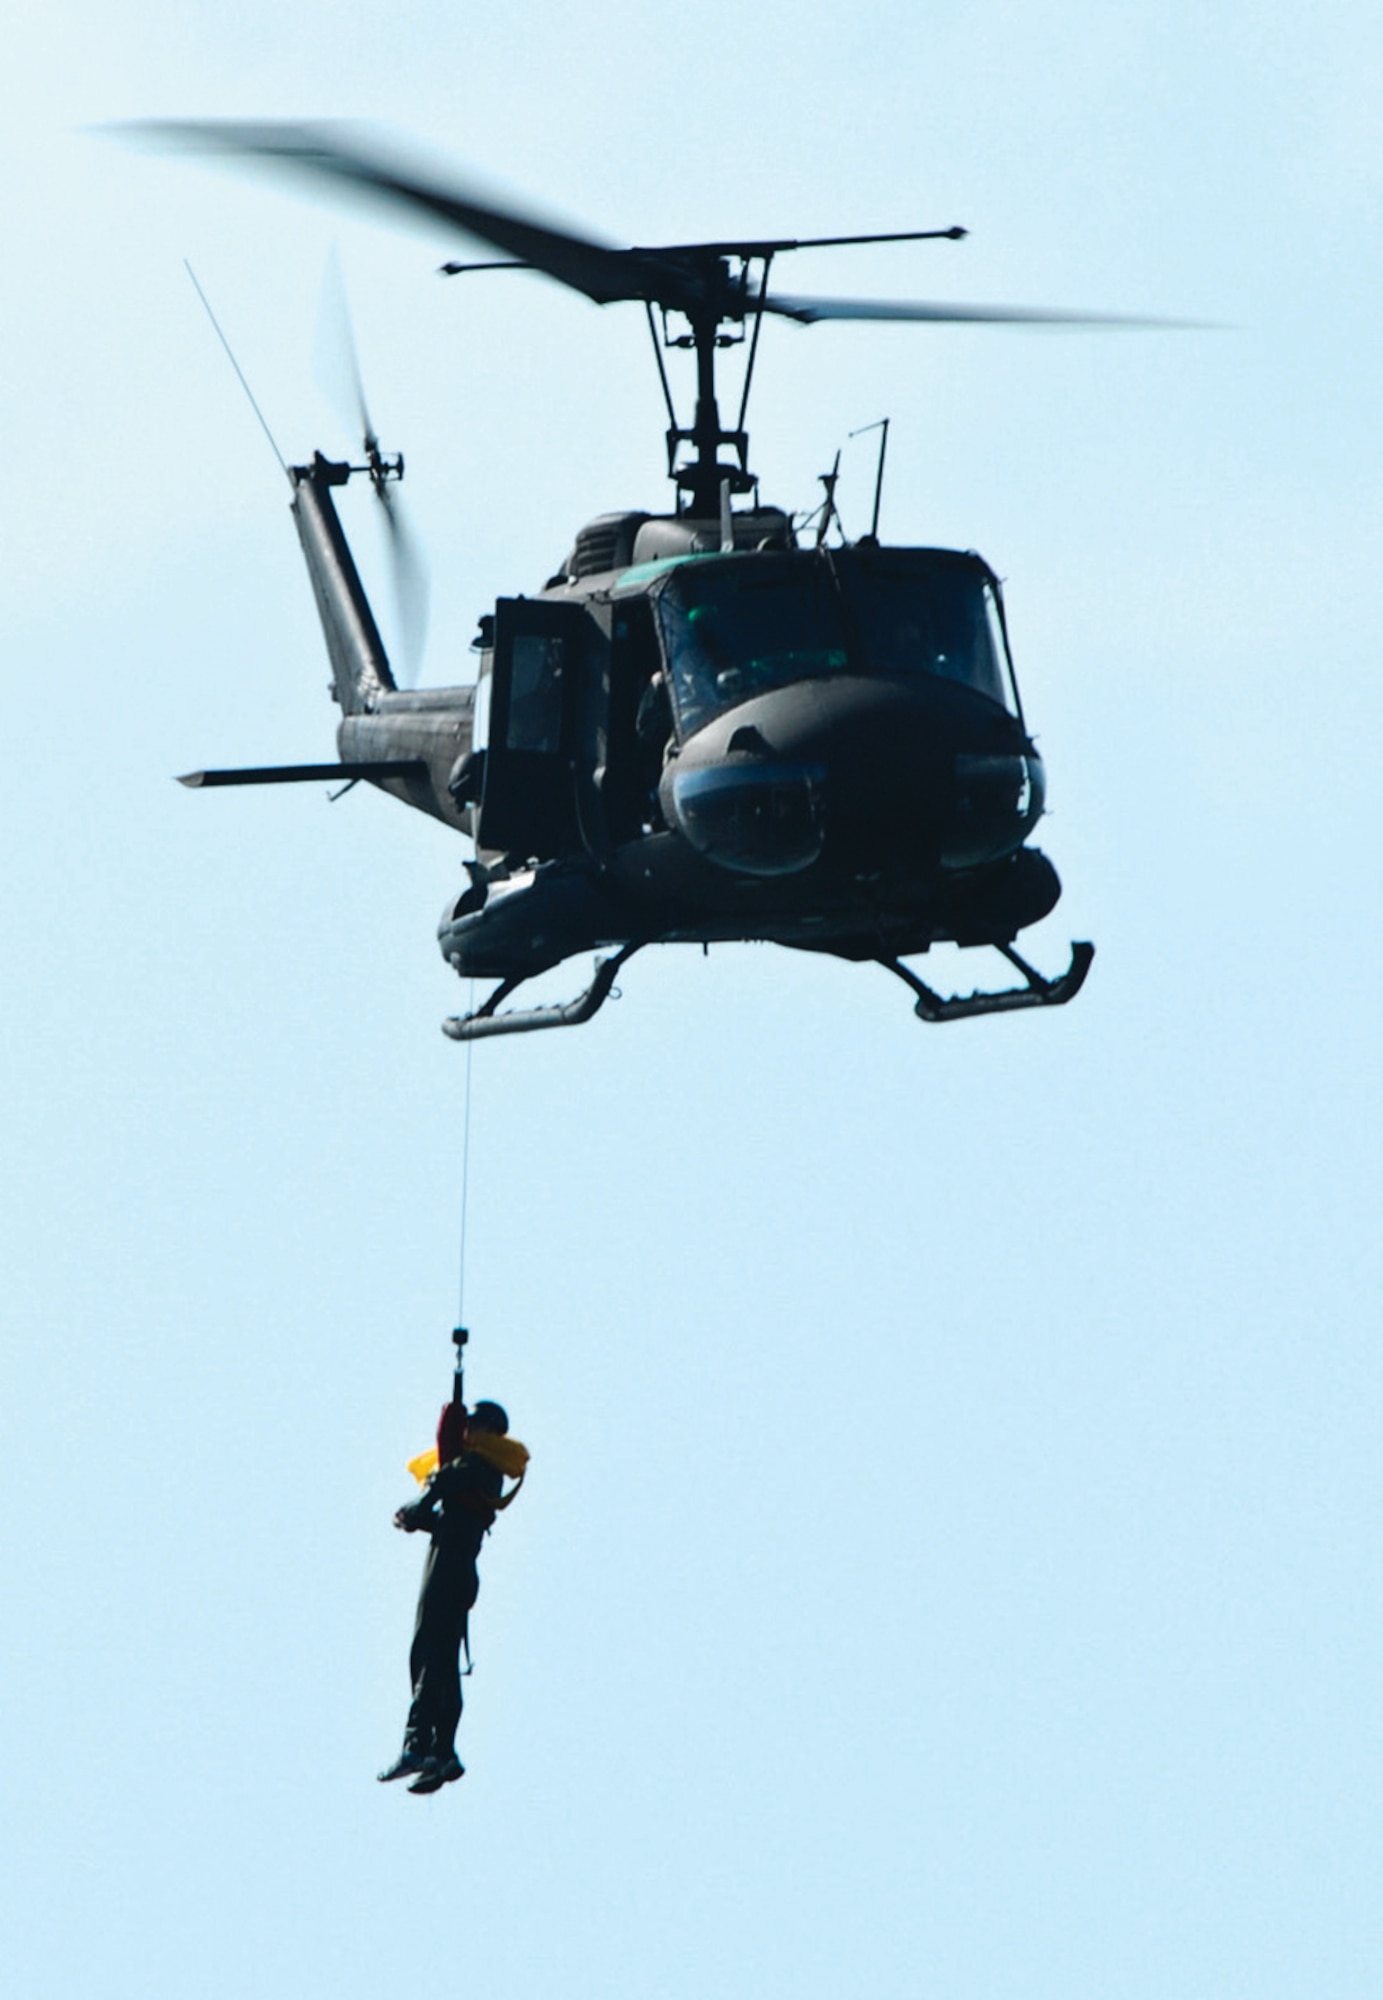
{"x": 1038, "y": 992}
{"x": 527, "y": 1020}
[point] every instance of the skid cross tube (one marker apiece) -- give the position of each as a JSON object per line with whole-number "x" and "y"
{"x": 526, "y": 1021}
{"x": 1038, "y": 992}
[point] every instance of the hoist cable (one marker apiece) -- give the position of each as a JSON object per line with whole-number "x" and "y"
{"x": 465, "y": 1171}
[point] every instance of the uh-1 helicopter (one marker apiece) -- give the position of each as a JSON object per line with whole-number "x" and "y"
{"x": 702, "y": 728}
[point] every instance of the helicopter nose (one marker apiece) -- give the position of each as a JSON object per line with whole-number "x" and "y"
{"x": 864, "y": 772}
{"x": 765, "y": 817}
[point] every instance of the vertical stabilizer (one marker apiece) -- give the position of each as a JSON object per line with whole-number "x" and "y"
{"x": 359, "y": 664}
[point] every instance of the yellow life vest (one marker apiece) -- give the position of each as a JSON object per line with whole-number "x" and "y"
{"x": 506, "y": 1454}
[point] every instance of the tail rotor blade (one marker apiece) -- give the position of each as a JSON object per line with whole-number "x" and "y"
{"x": 412, "y": 585}
{"x": 338, "y": 372}
{"x": 337, "y": 361}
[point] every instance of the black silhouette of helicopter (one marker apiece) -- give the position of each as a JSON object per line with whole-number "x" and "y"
{"x": 703, "y": 728}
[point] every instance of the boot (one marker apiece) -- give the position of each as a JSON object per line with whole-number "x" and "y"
{"x": 405, "y": 1765}
{"x": 429, "y": 1778}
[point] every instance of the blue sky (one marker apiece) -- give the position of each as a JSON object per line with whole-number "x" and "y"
{"x": 949, "y": 1561}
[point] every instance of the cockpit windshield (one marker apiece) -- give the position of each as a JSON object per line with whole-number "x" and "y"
{"x": 744, "y": 626}
{"x": 739, "y": 628}
{"x": 916, "y": 611}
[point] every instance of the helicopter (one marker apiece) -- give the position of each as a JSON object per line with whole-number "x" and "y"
{"x": 706, "y": 726}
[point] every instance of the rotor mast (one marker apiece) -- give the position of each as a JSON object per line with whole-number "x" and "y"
{"x": 702, "y": 477}
{"x": 723, "y": 296}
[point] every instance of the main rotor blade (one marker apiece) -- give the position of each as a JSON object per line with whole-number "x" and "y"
{"x": 682, "y": 277}
{"x": 334, "y": 152}
{"x": 687, "y": 278}
{"x": 771, "y": 246}
{"x": 811, "y": 311}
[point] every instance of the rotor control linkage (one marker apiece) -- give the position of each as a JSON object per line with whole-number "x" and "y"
{"x": 1038, "y": 992}
{"x": 524, "y": 1021}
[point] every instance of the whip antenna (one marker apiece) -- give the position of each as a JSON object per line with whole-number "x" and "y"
{"x": 240, "y": 374}
{"x": 882, "y": 428}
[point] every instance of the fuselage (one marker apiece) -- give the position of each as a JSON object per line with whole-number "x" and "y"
{"x": 820, "y": 747}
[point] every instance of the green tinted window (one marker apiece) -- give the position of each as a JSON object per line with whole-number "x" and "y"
{"x": 738, "y": 629}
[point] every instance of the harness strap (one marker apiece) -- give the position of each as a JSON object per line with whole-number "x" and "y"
{"x": 485, "y": 1505}
{"x": 512, "y": 1495}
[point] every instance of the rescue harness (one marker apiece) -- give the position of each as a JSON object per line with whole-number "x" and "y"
{"x": 505, "y": 1454}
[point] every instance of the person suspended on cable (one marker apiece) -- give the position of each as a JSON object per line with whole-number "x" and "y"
{"x": 463, "y": 1490}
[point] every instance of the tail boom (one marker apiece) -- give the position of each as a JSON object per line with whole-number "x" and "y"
{"x": 360, "y": 668}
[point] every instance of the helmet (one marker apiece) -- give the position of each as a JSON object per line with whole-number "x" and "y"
{"x": 490, "y": 1417}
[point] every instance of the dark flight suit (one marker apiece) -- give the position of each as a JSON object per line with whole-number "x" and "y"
{"x": 455, "y": 1507}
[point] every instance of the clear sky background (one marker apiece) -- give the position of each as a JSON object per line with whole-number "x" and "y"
{"x": 950, "y": 1560}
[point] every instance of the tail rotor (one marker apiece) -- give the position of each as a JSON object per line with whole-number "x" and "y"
{"x": 338, "y": 370}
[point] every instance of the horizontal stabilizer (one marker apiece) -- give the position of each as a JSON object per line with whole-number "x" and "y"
{"x": 304, "y": 774}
